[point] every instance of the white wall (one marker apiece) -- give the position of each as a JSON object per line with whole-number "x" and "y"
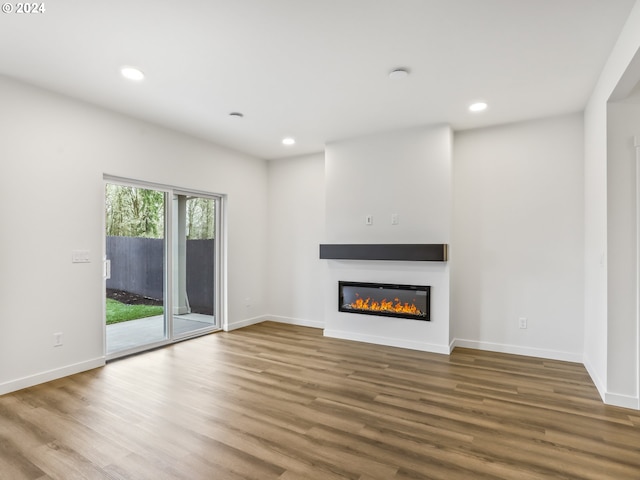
{"x": 53, "y": 155}
{"x": 296, "y": 229}
{"x": 517, "y": 247}
{"x": 623, "y": 123}
{"x": 407, "y": 173}
{"x": 598, "y": 322}
{"x": 595, "y": 200}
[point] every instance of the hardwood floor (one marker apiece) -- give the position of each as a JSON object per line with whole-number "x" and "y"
{"x": 276, "y": 401}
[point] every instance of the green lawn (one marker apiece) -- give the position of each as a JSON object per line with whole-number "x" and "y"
{"x": 120, "y": 312}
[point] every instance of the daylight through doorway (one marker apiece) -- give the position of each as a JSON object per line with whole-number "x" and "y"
{"x": 194, "y": 229}
{"x": 158, "y": 241}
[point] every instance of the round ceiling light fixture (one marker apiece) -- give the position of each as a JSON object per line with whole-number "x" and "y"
{"x": 398, "y": 74}
{"x": 132, "y": 73}
{"x": 478, "y": 107}
{"x": 288, "y": 141}
{"x": 236, "y": 115}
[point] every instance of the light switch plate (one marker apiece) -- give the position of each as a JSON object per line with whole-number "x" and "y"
{"x": 80, "y": 256}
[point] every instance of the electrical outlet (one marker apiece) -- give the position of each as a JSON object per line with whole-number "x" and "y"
{"x": 57, "y": 339}
{"x": 522, "y": 322}
{"x": 394, "y": 219}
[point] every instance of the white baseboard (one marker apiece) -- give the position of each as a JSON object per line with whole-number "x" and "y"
{"x": 614, "y": 399}
{"x": 389, "y": 342}
{"x": 597, "y": 381}
{"x": 55, "y": 374}
{"x": 625, "y": 401}
{"x": 296, "y": 321}
{"x": 518, "y": 350}
{"x": 245, "y": 323}
{"x": 273, "y": 318}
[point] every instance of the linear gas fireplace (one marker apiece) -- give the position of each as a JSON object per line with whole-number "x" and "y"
{"x": 388, "y": 300}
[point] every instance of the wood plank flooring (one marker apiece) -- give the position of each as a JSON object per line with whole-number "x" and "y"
{"x": 276, "y": 401}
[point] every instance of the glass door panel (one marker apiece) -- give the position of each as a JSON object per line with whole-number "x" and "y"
{"x": 194, "y": 257}
{"x": 135, "y": 253}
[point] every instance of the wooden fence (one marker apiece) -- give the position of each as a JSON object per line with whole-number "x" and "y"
{"x": 137, "y": 266}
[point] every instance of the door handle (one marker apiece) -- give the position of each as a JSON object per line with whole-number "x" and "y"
{"x": 107, "y": 269}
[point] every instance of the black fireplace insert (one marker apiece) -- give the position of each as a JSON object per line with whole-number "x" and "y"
{"x": 384, "y": 299}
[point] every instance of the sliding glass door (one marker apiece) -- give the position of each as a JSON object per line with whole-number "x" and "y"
{"x": 135, "y": 254}
{"x": 194, "y": 267}
{"x": 162, "y": 269}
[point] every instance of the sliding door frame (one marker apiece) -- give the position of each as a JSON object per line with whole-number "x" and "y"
{"x": 219, "y": 280}
{"x": 220, "y": 263}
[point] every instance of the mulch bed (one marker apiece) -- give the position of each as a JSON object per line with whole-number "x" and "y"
{"x": 134, "y": 299}
{"x": 131, "y": 298}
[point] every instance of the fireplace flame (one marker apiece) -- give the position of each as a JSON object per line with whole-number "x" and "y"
{"x": 384, "y": 305}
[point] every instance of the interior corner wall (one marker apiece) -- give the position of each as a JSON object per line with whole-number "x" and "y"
{"x": 623, "y": 124}
{"x": 517, "y": 246}
{"x": 53, "y": 155}
{"x": 595, "y": 255}
{"x": 598, "y": 323}
{"x": 296, "y": 229}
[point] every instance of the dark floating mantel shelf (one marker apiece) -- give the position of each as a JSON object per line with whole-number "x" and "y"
{"x": 413, "y": 252}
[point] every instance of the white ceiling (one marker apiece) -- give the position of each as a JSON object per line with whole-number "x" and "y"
{"x": 316, "y": 70}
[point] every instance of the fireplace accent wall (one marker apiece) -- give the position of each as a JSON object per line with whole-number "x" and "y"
{"x": 384, "y": 299}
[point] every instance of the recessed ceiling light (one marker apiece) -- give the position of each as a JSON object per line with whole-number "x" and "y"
{"x": 288, "y": 141}
{"x": 398, "y": 74}
{"x": 478, "y": 107}
{"x": 132, "y": 73}
{"x": 236, "y": 115}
